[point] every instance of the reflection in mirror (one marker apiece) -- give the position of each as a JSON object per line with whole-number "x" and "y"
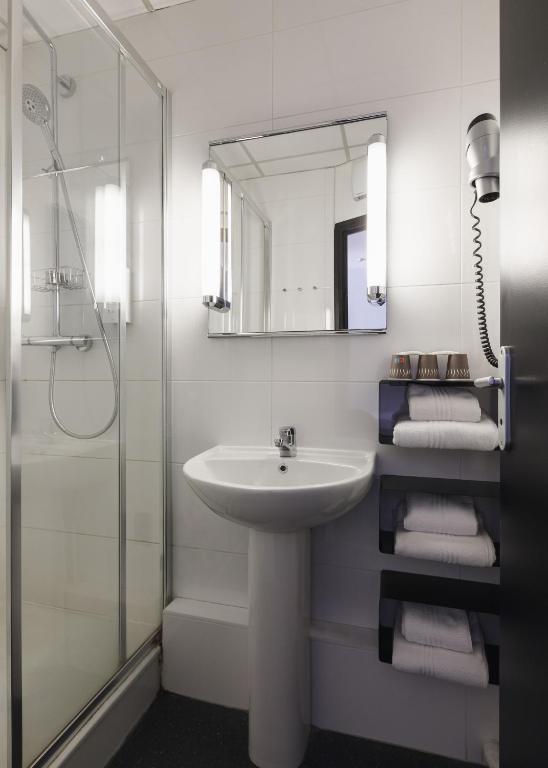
{"x": 307, "y": 231}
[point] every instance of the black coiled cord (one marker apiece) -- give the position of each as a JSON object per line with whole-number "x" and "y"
{"x": 480, "y": 290}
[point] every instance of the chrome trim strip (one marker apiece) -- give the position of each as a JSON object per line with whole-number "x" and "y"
{"x": 166, "y": 400}
{"x": 279, "y": 334}
{"x": 297, "y": 129}
{"x": 122, "y": 399}
{"x": 14, "y": 202}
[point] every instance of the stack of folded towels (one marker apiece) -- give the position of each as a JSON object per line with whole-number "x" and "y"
{"x": 433, "y": 526}
{"x": 442, "y": 417}
{"x": 440, "y": 642}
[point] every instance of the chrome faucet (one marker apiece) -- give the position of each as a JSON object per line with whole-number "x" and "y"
{"x": 286, "y": 442}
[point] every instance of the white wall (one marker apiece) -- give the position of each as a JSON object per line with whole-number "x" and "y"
{"x": 235, "y": 66}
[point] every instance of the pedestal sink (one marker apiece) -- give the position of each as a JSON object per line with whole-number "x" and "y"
{"x": 279, "y": 499}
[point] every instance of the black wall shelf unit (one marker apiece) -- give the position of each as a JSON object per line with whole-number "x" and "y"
{"x": 394, "y": 487}
{"x": 483, "y": 598}
{"x": 393, "y": 402}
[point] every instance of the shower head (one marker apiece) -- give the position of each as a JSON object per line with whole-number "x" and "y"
{"x": 482, "y": 153}
{"x": 35, "y": 105}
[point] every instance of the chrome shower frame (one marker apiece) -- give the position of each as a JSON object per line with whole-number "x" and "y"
{"x": 14, "y": 201}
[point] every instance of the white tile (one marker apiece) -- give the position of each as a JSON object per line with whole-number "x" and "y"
{"x": 144, "y": 582}
{"x": 141, "y": 112}
{"x": 144, "y": 173}
{"x": 489, "y": 226}
{"x": 146, "y": 252}
{"x": 424, "y": 237}
{"x": 480, "y": 40}
{"x": 144, "y": 341}
{"x": 195, "y": 525}
{"x": 80, "y": 53}
{"x": 421, "y": 317}
{"x": 117, "y": 9}
{"x": 328, "y": 414}
{"x": 149, "y": 35}
{"x": 367, "y": 56}
{"x": 223, "y": 85}
{"x": 298, "y": 265}
{"x": 290, "y": 14}
{"x": 196, "y": 357}
{"x": 297, "y": 220}
{"x": 470, "y": 341}
{"x": 89, "y": 120}
{"x": 209, "y": 413}
{"x": 68, "y": 652}
{"x": 74, "y": 495}
{"x": 354, "y": 693}
{"x": 73, "y": 571}
{"x": 84, "y": 406}
{"x": 206, "y": 23}
{"x": 217, "y": 577}
{"x": 144, "y": 420}
{"x": 144, "y": 500}
{"x": 345, "y": 595}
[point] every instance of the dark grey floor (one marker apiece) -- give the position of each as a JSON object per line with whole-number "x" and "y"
{"x": 182, "y": 733}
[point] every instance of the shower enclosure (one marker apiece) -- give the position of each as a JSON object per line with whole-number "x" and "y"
{"x": 82, "y": 331}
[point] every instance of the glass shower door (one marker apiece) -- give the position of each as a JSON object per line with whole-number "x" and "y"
{"x": 86, "y": 377}
{"x": 3, "y": 326}
{"x": 73, "y": 228}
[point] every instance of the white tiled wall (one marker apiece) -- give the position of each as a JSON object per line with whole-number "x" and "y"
{"x": 237, "y": 66}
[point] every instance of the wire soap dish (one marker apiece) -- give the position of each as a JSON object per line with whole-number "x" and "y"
{"x": 52, "y": 278}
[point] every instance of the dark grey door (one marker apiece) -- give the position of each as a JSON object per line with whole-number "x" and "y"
{"x": 524, "y": 327}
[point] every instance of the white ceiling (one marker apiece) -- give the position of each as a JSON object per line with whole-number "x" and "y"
{"x": 323, "y": 147}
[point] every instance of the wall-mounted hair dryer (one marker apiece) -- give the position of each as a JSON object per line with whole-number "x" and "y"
{"x": 482, "y": 153}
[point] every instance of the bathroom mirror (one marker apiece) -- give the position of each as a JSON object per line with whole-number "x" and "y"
{"x": 302, "y": 248}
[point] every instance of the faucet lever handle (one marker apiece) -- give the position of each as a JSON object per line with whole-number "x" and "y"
{"x": 287, "y": 433}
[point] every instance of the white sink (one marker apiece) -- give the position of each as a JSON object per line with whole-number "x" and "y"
{"x": 255, "y": 487}
{"x": 279, "y": 499}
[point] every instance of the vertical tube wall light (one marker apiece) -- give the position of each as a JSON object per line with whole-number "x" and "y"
{"x": 216, "y": 238}
{"x": 110, "y": 244}
{"x": 376, "y": 219}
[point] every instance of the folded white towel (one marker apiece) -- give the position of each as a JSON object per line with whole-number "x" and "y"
{"x": 459, "y": 435}
{"x": 455, "y": 550}
{"x": 465, "y": 668}
{"x": 438, "y": 513}
{"x": 442, "y": 404}
{"x": 436, "y": 625}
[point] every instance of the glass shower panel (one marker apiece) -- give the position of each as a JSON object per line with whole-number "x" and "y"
{"x": 73, "y": 198}
{"x": 3, "y": 325}
{"x": 141, "y": 162}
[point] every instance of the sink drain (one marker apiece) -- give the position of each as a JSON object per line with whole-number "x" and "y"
{"x": 283, "y": 468}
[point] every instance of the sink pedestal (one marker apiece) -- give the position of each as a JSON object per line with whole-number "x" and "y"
{"x": 279, "y": 613}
